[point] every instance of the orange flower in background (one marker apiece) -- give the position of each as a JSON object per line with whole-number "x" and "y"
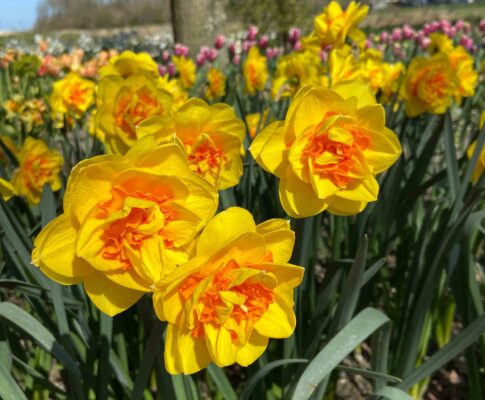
{"x": 255, "y": 71}
{"x": 128, "y": 221}
{"x": 429, "y": 85}
{"x": 328, "y": 150}
{"x": 212, "y": 136}
{"x": 123, "y": 104}
{"x": 38, "y": 165}
{"x": 71, "y": 96}
{"x": 333, "y": 26}
{"x": 216, "y": 84}
{"x": 234, "y": 294}
{"x": 186, "y": 71}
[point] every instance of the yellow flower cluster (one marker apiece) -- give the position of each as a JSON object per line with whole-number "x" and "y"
{"x": 431, "y": 83}
{"x": 131, "y": 225}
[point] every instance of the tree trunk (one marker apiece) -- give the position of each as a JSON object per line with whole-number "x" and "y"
{"x": 195, "y": 23}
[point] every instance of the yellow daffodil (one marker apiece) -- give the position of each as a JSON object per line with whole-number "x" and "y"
{"x": 128, "y": 221}
{"x": 462, "y": 64}
{"x": 333, "y": 26}
{"x": 71, "y": 97}
{"x": 255, "y": 71}
{"x": 124, "y": 104}
{"x": 429, "y": 85}
{"x": 234, "y": 294}
{"x": 328, "y": 150}
{"x": 294, "y": 71}
{"x": 38, "y": 165}
{"x": 392, "y": 75}
{"x": 343, "y": 66}
{"x": 440, "y": 42}
{"x": 212, "y": 136}
{"x": 186, "y": 71}
{"x": 216, "y": 84}
{"x": 128, "y": 64}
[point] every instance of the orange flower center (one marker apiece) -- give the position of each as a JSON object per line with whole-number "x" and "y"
{"x": 134, "y": 107}
{"x": 36, "y": 171}
{"x": 205, "y": 158}
{"x": 222, "y": 301}
{"x": 133, "y": 218}
{"x": 335, "y": 151}
{"x": 76, "y": 95}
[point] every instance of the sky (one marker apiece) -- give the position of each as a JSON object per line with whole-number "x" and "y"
{"x": 17, "y": 15}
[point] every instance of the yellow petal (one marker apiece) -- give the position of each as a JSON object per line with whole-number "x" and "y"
{"x": 281, "y": 243}
{"x": 279, "y": 319}
{"x": 383, "y": 151}
{"x": 220, "y": 345}
{"x": 92, "y": 185}
{"x": 54, "y": 250}
{"x": 357, "y": 89}
{"x": 254, "y": 348}
{"x": 341, "y": 206}
{"x": 6, "y": 189}
{"x": 269, "y": 148}
{"x": 308, "y": 108}
{"x": 366, "y": 190}
{"x": 225, "y": 226}
{"x": 184, "y": 354}
{"x": 298, "y": 198}
{"x": 288, "y": 274}
{"x": 109, "y": 297}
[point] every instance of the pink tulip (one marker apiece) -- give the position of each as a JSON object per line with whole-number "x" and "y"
{"x": 219, "y": 42}
{"x": 252, "y": 32}
{"x": 263, "y": 41}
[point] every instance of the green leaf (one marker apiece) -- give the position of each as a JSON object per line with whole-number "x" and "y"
{"x": 455, "y": 347}
{"x": 221, "y": 381}
{"x": 393, "y": 393}
{"x": 185, "y": 387}
{"x": 351, "y": 292}
{"x": 106, "y": 330}
{"x": 9, "y": 389}
{"x": 372, "y": 270}
{"x": 250, "y": 385}
{"x": 146, "y": 364}
{"x": 48, "y": 209}
{"x": 451, "y": 160}
{"x": 354, "y": 333}
{"x": 367, "y": 373}
{"x": 33, "y": 328}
